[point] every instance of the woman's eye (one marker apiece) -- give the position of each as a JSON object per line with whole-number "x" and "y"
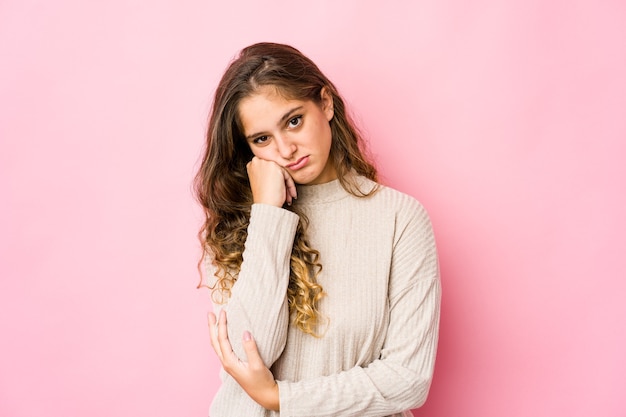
{"x": 295, "y": 121}
{"x": 259, "y": 140}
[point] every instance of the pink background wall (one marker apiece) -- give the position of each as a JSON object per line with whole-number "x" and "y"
{"x": 507, "y": 119}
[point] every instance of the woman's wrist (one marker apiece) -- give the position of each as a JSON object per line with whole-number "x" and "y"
{"x": 271, "y": 398}
{"x": 275, "y": 397}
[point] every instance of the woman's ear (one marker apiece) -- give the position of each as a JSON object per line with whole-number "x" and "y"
{"x": 327, "y": 103}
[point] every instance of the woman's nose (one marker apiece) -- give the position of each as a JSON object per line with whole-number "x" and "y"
{"x": 286, "y": 148}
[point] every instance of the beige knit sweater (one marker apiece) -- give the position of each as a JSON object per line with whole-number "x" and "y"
{"x": 381, "y": 277}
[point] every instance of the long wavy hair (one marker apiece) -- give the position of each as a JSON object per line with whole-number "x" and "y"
{"x": 222, "y": 185}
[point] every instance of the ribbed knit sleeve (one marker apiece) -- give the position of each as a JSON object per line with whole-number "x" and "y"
{"x": 258, "y": 301}
{"x": 399, "y": 379}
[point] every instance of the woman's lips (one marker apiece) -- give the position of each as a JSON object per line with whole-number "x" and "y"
{"x": 300, "y": 163}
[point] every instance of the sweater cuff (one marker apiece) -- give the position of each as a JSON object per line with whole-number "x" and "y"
{"x": 270, "y": 236}
{"x": 265, "y": 218}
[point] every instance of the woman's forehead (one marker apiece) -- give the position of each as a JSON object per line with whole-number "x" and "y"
{"x": 264, "y": 109}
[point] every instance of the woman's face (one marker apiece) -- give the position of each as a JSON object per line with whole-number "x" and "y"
{"x": 293, "y": 133}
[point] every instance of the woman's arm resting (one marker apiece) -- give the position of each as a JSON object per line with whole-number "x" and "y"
{"x": 399, "y": 380}
{"x": 258, "y": 299}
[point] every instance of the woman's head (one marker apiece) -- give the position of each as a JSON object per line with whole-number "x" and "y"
{"x": 295, "y": 134}
{"x": 281, "y": 70}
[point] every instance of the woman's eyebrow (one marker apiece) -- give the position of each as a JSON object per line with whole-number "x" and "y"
{"x": 281, "y": 121}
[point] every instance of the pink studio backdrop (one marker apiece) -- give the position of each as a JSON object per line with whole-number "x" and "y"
{"x": 507, "y": 119}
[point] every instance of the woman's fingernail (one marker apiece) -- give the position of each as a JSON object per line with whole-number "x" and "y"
{"x": 247, "y": 336}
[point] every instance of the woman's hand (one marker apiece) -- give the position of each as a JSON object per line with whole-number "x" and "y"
{"x": 253, "y": 376}
{"x": 270, "y": 183}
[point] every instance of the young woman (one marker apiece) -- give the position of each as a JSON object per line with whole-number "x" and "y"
{"x": 325, "y": 284}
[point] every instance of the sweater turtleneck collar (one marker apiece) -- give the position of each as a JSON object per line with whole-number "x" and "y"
{"x": 320, "y": 193}
{"x": 329, "y": 191}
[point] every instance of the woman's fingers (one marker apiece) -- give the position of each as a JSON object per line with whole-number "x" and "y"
{"x": 229, "y": 358}
{"x": 270, "y": 183}
{"x": 221, "y": 343}
{"x": 213, "y": 333}
{"x": 252, "y": 351}
{"x": 219, "y": 340}
{"x": 290, "y": 187}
